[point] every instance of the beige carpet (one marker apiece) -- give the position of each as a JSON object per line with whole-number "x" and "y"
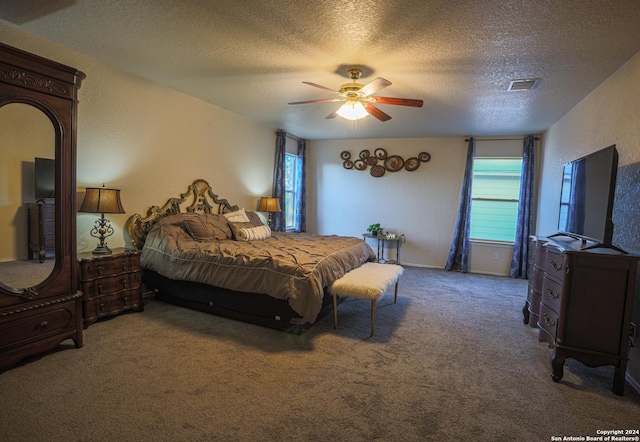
{"x": 451, "y": 361}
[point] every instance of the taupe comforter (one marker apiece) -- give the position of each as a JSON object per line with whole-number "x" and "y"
{"x": 292, "y": 266}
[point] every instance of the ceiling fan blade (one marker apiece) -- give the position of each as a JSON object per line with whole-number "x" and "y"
{"x": 398, "y": 101}
{"x": 326, "y": 100}
{"x": 373, "y": 87}
{"x": 332, "y": 115}
{"x": 321, "y": 87}
{"x": 376, "y": 112}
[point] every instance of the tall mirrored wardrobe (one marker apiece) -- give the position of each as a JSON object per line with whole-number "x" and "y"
{"x": 40, "y": 306}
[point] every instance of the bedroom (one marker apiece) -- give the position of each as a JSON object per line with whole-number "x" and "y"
{"x": 133, "y": 132}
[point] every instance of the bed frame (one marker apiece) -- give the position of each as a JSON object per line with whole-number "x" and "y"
{"x": 253, "y": 308}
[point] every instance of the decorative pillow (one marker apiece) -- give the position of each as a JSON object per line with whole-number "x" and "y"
{"x": 206, "y": 227}
{"x": 253, "y": 233}
{"x": 239, "y": 216}
{"x": 254, "y": 219}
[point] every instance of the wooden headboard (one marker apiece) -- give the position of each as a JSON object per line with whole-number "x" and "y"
{"x": 199, "y": 198}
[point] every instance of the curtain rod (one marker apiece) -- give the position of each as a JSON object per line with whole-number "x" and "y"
{"x": 500, "y": 139}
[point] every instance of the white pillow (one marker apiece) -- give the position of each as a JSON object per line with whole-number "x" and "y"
{"x": 253, "y": 233}
{"x": 239, "y": 216}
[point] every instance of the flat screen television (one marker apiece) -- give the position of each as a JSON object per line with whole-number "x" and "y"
{"x": 45, "y": 178}
{"x": 586, "y": 199}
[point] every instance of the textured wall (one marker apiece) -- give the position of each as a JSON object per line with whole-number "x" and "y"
{"x": 152, "y": 142}
{"x": 609, "y": 115}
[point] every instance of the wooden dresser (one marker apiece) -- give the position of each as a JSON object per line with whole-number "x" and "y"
{"x": 586, "y": 306}
{"x": 110, "y": 284}
{"x": 42, "y": 225}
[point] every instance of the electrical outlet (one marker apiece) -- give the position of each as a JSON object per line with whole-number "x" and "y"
{"x": 632, "y": 334}
{"x": 496, "y": 255}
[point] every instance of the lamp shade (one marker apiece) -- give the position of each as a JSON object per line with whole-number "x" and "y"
{"x": 352, "y": 110}
{"x": 102, "y": 200}
{"x": 269, "y": 204}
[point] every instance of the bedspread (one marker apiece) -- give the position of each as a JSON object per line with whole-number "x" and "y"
{"x": 291, "y": 266}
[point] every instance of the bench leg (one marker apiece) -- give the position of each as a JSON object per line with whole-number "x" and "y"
{"x": 335, "y": 311}
{"x": 373, "y": 316}
{"x": 395, "y": 298}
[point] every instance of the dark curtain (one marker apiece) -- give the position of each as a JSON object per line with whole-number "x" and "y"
{"x": 277, "y": 218}
{"x": 524, "y": 223}
{"x": 460, "y": 246}
{"x": 301, "y": 202}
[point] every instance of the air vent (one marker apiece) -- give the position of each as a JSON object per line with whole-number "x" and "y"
{"x": 525, "y": 84}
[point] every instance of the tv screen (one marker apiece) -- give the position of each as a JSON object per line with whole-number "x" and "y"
{"x": 586, "y": 199}
{"x": 45, "y": 178}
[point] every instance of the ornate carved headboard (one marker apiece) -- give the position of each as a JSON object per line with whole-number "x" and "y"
{"x": 199, "y": 198}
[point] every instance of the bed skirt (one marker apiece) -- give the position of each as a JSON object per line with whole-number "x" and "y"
{"x": 252, "y": 308}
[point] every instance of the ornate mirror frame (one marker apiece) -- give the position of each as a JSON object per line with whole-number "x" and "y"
{"x": 53, "y": 89}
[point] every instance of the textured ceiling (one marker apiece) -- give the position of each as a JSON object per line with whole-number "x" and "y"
{"x": 459, "y": 56}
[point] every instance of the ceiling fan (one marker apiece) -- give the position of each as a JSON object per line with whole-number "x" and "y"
{"x": 359, "y": 100}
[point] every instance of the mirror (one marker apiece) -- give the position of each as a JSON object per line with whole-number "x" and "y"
{"x": 27, "y": 133}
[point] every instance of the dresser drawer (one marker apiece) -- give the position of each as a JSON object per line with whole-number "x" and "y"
{"x": 555, "y": 264}
{"x": 552, "y": 293}
{"x": 110, "y": 285}
{"x": 97, "y": 268}
{"x": 21, "y": 328}
{"x": 548, "y": 324}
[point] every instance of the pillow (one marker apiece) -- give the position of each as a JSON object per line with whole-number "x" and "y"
{"x": 254, "y": 219}
{"x": 253, "y": 233}
{"x": 206, "y": 227}
{"x": 239, "y": 216}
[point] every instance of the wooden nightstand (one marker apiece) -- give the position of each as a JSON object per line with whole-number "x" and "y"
{"x": 110, "y": 284}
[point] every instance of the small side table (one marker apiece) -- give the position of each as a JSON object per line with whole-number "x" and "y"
{"x": 110, "y": 284}
{"x": 381, "y": 241}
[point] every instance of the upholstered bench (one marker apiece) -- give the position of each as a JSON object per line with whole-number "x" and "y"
{"x": 369, "y": 281}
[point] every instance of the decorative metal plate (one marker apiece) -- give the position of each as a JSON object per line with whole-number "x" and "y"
{"x": 364, "y": 154}
{"x": 411, "y": 164}
{"x": 372, "y": 161}
{"x": 380, "y": 153}
{"x": 348, "y": 164}
{"x": 393, "y": 163}
{"x": 345, "y": 155}
{"x": 377, "y": 171}
{"x": 424, "y": 156}
{"x": 360, "y": 165}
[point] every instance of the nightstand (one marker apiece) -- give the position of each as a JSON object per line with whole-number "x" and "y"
{"x": 110, "y": 284}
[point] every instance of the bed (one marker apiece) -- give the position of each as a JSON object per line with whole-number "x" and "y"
{"x": 201, "y": 252}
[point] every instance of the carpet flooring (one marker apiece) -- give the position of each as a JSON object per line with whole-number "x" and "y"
{"x": 451, "y": 361}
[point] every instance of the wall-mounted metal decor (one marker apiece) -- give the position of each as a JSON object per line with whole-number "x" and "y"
{"x": 380, "y": 162}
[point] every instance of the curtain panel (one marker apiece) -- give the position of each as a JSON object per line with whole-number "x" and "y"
{"x": 301, "y": 201}
{"x": 460, "y": 246}
{"x": 277, "y": 218}
{"x": 524, "y": 223}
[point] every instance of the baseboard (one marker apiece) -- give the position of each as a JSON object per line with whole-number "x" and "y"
{"x": 632, "y": 382}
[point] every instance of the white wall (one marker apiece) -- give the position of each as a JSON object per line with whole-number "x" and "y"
{"x": 609, "y": 115}
{"x": 152, "y": 142}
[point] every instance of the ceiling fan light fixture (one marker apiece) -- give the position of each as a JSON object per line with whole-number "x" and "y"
{"x": 352, "y": 110}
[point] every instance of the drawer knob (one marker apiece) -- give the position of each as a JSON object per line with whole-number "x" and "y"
{"x": 550, "y": 322}
{"x": 101, "y": 307}
{"x": 43, "y": 325}
{"x": 552, "y": 293}
{"x": 99, "y": 270}
{"x": 556, "y": 265}
{"x": 124, "y": 283}
{"x": 100, "y": 288}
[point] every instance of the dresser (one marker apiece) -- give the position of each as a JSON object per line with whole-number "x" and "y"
{"x": 110, "y": 284}
{"x": 42, "y": 225}
{"x": 586, "y": 306}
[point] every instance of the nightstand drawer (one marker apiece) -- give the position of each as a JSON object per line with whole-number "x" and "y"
{"x": 109, "y": 286}
{"x": 555, "y": 265}
{"x": 112, "y": 305}
{"x": 99, "y": 268}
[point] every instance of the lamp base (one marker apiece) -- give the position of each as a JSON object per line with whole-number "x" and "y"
{"x": 101, "y": 250}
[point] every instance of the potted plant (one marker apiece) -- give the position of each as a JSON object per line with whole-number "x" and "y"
{"x": 375, "y": 229}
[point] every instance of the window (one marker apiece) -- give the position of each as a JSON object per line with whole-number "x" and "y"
{"x": 291, "y": 164}
{"x": 494, "y": 193}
